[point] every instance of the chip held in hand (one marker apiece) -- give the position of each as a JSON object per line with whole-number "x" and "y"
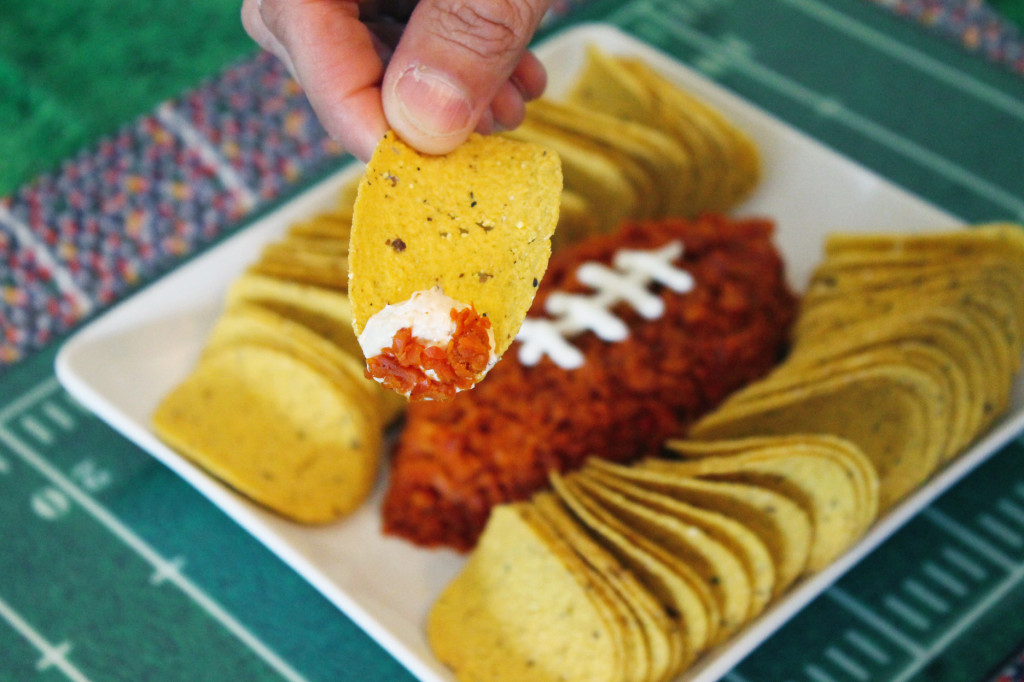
{"x": 446, "y": 253}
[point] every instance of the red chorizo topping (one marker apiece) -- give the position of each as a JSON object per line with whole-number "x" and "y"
{"x": 456, "y": 460}
{"x": 430, "y": 372}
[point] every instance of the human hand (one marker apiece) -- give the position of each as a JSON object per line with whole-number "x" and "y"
{"x": 432, "y": 70}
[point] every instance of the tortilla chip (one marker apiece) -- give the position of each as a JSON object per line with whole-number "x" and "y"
{"x": 296, "y": 246}
{"x": 520, "y": 611}
{"x": 859, "y": 469}
{"x": 577, "y": 220}
{"x": 726, "y": 153}
{"x": 948, "y": 304}
{"x": 895, "y": 413}
{"x": 714, "y": 562}
{"x": 821, "y": 485}
{"x": 276, "y": 430}
{"x": 605, "y": 84}
{"x": 325, "y": 311}
{"x": 1000, "y": 238}
{"x": 675, "y": 584}
{"x": 332, "y": 227}
{"x": 952, "y": 392}
{"x": 781, "y": 524}
{"x": 325, "y": 270}
{"x": 651, "y": 158}
{"x": 744, "y": 543}
{"x": 653, "y": 641}
{"x": 588, "y": 172}
{"x": 245, "y": 324}
{"x": 477, "y": 222}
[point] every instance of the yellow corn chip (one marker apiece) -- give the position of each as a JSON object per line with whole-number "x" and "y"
{"x": 474, "y": 226}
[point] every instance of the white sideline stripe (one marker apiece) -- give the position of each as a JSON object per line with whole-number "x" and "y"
{"x": 194, "y": 139}
{"x": 168, "y": 569}
{"x": 53, "y": 655}
{"x": 129, "y": 538}
{"x": 868, "y": 615}
{"x": 829, "y": 107}
{"x": 42, "y": 254}
{"x": 867, "y": 646}
{"x": 844, "y": 661}
{"x": 29, "y": 398}
{"x": 948, "y": 75}
{"x": 944, "y": 578}
{"x": 968, "y": 537}
{"x": 1011, "y": 582}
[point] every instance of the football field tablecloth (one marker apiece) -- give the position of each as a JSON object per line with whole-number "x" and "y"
{"x": 114, "y": 569}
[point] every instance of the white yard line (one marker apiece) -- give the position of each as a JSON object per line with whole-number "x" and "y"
{"x": 164, "y": 570}
{"x": 950, "y": 76}
{"x": 870, "y": 617}
{"x": 921, "y": 655}
{"x": 53, "y": 655}
{"x": 981, "y": 608}
{"x": 42, "y": 254}
{"x": 830, "y": 107}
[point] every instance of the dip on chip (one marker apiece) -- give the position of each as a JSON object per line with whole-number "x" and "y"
{"x": 446, "y": 254}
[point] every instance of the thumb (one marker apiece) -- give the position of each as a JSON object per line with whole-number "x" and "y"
{"x": 453, "y": 59}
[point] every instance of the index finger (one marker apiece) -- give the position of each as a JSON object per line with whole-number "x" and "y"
{"x": 334, "y": 58}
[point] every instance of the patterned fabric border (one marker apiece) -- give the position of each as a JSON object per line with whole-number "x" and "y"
{"x": 81, "y": 237}
{"x": 256, "y": 119}
{"x": 974, "y": 24}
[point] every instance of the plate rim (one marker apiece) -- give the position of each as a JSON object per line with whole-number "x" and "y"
{"x": 714, "y": 663}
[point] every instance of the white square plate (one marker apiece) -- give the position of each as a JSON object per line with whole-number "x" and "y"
{"x": 124, "y": 362}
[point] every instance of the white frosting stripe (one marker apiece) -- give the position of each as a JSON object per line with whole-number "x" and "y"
{"x": 658, "y": 265}
{"x": 612, "y": 287}
{"x": 634, "y": 271}
{"x": 543, "y": 338}
{"x": 579, "y": 313}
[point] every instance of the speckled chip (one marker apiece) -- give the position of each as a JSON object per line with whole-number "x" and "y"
{"x": 525, "y": 607}
{"x": 477, "y": 222}
{"x": 276, "y": 429}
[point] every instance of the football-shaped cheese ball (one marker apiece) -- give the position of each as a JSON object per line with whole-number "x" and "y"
{"x": 631, "y": 337}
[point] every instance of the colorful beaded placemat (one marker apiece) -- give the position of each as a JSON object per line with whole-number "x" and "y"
{"x": 115, "y": 569}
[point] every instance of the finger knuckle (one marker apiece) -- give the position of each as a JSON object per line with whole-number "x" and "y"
{"x": 489, "y": 29}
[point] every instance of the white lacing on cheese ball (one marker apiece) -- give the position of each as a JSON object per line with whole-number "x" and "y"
{"x": 627, "y": 281}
